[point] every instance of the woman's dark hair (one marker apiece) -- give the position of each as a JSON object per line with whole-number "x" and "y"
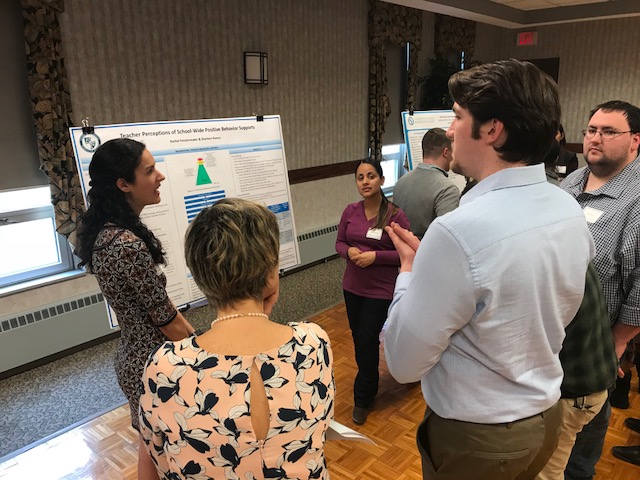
{"x": 563, "y": 140}
{"x": 383, "y": 212}
{"x": 551, "y": 158}
{"x": 114, "y": 159}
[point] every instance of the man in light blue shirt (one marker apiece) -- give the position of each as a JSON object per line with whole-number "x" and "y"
{"x": 480, "y": 308}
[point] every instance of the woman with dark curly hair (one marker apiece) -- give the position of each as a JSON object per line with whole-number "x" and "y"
{"x": 124, "y": 255}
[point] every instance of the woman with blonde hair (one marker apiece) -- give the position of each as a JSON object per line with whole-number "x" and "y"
{"x": 250, "y": 398}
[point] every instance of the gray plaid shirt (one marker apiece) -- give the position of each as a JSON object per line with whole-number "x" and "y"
{"x": 616, "y": 233}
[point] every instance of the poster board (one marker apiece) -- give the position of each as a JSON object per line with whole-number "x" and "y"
{"x": 203, "y": 161}
{"x": 416, "y": 125}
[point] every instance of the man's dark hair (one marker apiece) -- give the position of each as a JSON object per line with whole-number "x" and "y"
{"x": 518, "y": 94}
{"x": 433, "y": 142}
{"x": 631, "y": 112}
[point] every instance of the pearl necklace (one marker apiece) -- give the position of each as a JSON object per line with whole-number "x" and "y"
{"x": 238, "y": 315}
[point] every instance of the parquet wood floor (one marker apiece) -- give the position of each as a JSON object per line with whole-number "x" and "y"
{"x": 106, "y": 447}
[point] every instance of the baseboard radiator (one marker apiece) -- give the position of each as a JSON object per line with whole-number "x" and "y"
{"x": 317, "y": 244}
{"x": 30, "y": 336}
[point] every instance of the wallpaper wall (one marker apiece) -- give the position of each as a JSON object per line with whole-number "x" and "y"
{"x": 598, "y": 62}
{"x": 146, "y": 60}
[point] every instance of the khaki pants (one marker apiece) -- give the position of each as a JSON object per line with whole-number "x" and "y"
{"x": 575, "y": 413}
{"x": 456, "y": 450}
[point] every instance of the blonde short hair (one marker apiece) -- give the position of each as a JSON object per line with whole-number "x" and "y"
{"x": 231, "y": 249}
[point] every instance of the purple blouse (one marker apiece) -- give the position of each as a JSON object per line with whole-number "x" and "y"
{"x": 378, "y": 279}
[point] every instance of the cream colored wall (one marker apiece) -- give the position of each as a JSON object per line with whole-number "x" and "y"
{"x": 29, "y": 300}
{"x": 598, "y": 62}
{"x": 147, "y": 60}
{"x": 320, "y": 203}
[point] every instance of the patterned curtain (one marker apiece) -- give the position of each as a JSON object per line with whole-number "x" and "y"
{"x": 51, "y": 106}
{"x": 398, "y": 25}
{"x": 454, "y": 35}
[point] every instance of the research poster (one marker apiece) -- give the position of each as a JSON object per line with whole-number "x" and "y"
{"x": 416, "y": 125}
{"x": 203, "y": 161}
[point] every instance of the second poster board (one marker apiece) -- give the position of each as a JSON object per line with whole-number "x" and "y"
{"x": 416, "y": 125}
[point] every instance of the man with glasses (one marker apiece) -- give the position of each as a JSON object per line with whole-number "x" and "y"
{"x": 608, "y": 190}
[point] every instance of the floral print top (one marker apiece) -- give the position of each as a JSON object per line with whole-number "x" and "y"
{"x": 195, "y": 410}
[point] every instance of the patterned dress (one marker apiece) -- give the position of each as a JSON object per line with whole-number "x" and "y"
{"x": 195, "y": 410}
{"x": 135, "y": 289}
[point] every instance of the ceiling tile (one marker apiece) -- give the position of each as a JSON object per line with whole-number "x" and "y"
{"x": 539, "y": 4}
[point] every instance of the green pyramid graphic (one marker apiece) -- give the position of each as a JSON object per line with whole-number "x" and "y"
{"x": 203, "y": 176}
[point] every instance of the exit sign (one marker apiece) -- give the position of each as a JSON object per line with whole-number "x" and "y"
{"x": 527, "y": 38}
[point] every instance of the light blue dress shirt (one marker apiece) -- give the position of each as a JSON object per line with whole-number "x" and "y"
{"x": 480, "y": 319}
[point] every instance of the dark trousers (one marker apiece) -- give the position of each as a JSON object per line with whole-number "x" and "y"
{"x": 456, "y": 450}
{"x": 366, "y": 318}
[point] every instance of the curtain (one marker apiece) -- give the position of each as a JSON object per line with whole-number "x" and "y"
{"x": 51, "y": 106}
{"x": 398, "y": 25}
{"x": 454, "y": 35}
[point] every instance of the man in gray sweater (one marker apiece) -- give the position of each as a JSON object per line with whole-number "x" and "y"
{"x": 426, "y": 192}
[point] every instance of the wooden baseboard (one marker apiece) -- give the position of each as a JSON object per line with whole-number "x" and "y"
{"x": 303, "y": 175}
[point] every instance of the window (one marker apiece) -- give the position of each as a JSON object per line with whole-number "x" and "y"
{"x": 395, "y": 152}
{"x": 392, "y": 165}
{"x": 30, "y": 247}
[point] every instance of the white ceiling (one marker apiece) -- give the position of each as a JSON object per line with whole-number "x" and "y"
{"x": 525, "y": 13}
{"x": 538, "y": 4}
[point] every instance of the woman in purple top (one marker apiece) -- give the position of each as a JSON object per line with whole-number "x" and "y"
{"x": 370, "y": 276}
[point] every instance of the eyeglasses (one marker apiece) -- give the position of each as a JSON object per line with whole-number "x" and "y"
{"x": 604, "y": 134}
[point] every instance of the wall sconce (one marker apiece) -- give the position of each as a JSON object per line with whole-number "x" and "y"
{"x": 255, "y": 68}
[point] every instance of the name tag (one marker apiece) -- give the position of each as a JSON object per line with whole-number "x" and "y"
{"x": 591, "y": 214}
{"x": 375, "y": 233}
{"x": 561, "y": 169}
